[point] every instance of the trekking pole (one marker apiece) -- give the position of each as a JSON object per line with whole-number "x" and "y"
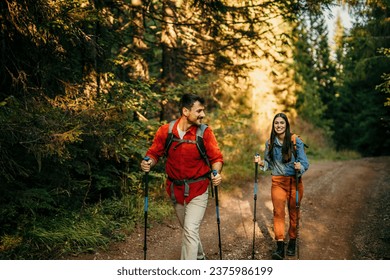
{"x": 218, "y": 220}
{"x": 254, "y": 205}
{"x": 145, "y": 207}
{"x": 297, "y": 210}
{"x": 211, "y": 187}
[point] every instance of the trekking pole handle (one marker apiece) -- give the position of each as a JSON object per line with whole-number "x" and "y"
{"x": 146, "y": 158}
{"x": 297, "y": 171}
{"x": 256, "y": 166}
{"x": 257, "y": 156}
{"x": 215, "y": 173}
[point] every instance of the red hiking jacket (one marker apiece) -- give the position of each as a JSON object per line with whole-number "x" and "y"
{"x": 185, "y": 161}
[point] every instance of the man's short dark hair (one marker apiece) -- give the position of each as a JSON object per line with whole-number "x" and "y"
{"x": 188, "y": 100}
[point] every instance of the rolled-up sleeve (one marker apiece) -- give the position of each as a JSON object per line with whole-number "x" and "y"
{"x": 214, "y": 154}
{"x": 301, "y": 156}
{"x": 266, "y": 157}
{"x": 157, "y": 149}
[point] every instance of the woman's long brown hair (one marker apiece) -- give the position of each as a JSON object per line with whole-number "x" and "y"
{"x": 287, "y": 144}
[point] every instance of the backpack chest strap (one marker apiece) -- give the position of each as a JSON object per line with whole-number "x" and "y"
{"x": 181, "y": 141}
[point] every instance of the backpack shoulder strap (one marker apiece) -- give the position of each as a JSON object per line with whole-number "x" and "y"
{"x": 200, "y": 143}
{"x": 171, "y": 124}
{"x": 200, "y": 130}
{"x": 169, "y": 140}
{"x": 294, "y": 142}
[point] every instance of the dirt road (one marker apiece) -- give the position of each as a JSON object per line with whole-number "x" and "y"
{"x": 345, "y": 215}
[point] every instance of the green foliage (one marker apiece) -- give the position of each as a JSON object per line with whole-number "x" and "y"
{"x": 345, "y": 103}
{"x": 62, "y": 233}
{"x": 385, "y": 86}
{"x": 314, "y": 72}
{"x": 361, "y": 117}
{"x": 73, "y": 130}
{"x": 52, "y": 237}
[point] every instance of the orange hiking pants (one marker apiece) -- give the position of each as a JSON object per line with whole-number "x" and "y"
{"x": 283, "y": 190}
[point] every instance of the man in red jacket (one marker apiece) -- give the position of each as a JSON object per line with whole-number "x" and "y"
{"x": 188, "y": 173}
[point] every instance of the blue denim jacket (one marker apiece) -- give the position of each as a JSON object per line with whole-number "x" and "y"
{"x": 285, "y": 169}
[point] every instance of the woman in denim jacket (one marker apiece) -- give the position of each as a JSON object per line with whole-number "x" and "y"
{"x": 284, "y": 160}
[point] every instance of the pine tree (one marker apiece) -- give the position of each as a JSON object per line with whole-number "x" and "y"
{"x": 362, "y": 119}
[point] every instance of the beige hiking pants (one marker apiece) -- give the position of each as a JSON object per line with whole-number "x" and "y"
{"x": 190, "y": 217}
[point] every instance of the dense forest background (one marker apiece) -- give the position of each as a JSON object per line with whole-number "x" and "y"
{"x": 84, "y": 84}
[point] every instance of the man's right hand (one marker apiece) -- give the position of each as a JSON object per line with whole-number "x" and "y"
{"x": 145, "y": 165}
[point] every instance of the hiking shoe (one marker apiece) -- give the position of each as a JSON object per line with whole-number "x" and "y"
{"x": 279, "y": 252}
{"x": 291, "y": 247}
